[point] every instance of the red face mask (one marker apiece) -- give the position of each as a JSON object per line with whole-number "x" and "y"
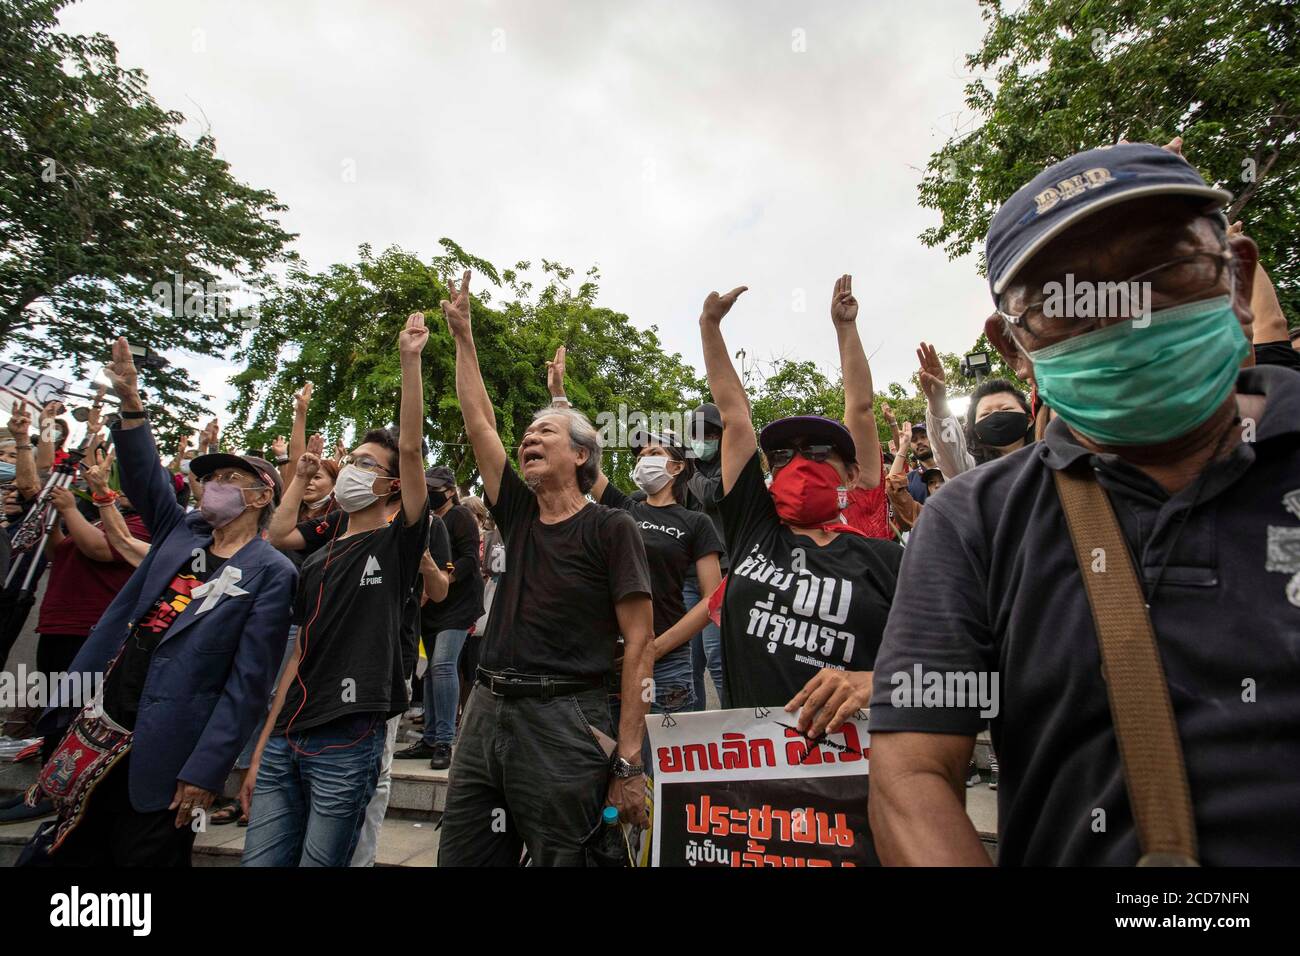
{"x": 807, "y": 493}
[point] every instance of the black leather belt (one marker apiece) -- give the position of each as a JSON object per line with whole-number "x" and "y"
{"x": 512, "y": 684}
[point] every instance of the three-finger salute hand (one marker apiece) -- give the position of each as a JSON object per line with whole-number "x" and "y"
{"x": 415, "y": 336}
{"x": 555, "y": 373}
{"x": 844, "y": 307}
{"x": 455, "y": 308}
{"x": 934, "y": 381}
{"x": 716, "y": 306}
{"x": 120, "y": 371}
{"x": 20, "y": 421}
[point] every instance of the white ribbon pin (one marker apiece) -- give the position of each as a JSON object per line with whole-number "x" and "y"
{"x": 224, "y": 584}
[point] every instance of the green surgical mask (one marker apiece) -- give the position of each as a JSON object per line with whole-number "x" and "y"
{"x": 1143, "y": 385}
{"x": 705, "y": 450}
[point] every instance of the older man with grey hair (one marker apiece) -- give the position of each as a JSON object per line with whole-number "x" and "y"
{"x": 539, "y": 757}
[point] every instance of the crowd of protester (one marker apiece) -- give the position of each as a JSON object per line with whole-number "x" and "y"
{"x": 280, "y": 618}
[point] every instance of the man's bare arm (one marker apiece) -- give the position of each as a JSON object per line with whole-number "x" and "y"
{"x": 917, "y": 805}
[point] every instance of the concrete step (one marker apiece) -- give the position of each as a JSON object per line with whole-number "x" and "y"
{"x": 401, "y": 843}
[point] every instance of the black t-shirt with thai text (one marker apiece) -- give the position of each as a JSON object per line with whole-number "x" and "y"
{"x": 792, "y": 608}
{"x": 554, "y": 613}
{"x": 355, "y": 610}
{"x": 125, "y": 680}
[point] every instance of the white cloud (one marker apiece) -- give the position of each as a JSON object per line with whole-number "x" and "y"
{"x": 683, "y": 148}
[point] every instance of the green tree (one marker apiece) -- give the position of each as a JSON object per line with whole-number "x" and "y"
{"x": 338, "y": 329}
{"x": 103, "y": 202}
{"x": 1059, "y": 76}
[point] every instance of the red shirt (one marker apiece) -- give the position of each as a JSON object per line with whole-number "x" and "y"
{"x": 80, "y": 589}
{"x": 868, "y": 510}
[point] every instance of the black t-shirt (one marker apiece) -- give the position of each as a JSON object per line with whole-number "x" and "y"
{"x": 703, "y": 494}
{"x": 356, "y": 611}
{"x": 317, "y": 532}
{"x": 990, "y": 587}
{"x": 675, "y": 538}
{"x": 792, "y": 608}
{"x": 125, "y": 680}
{"x": 464, "y": 601}
{"x": 554, "y": 612}
{"x": 1278, "y": 353}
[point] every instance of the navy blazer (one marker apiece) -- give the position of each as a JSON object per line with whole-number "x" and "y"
{"x": 211, "y": 674}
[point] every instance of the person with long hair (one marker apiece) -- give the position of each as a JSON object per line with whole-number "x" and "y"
{"x": 676, "y": 539}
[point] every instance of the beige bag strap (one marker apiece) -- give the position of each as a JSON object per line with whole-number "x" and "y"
{"x": 1140, "y": 709}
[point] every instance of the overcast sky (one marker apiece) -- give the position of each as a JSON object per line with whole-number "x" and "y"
{"x": 681, "y": 147}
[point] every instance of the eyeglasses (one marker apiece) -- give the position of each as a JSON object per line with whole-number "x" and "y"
{"x": 780, "y": 457}
{"x": 1185, "y": 279}
{"x": 364, "y": 462}
{"x": 230, "y": 476}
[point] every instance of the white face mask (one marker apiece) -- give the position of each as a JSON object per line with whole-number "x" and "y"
{"x": 651, "y": 473}
{"x": 353, "y": 489}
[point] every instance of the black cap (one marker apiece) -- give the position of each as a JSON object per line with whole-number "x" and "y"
{"x": 440, "y": 476}
{"x": 260, "y": 468}
{"x": 930, "y": 474}
{"x": 706, "y": 414}
{"x": 920, "y": 427}
{"x": 781, "y": 432}
{"x": 638, "y": 438}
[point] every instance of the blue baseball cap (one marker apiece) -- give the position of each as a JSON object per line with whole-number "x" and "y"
{"x": 1078, "y": 187}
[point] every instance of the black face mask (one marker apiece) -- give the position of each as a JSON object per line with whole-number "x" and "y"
{"x": 438, "y": 499}
{"x": 1000, "y": 429}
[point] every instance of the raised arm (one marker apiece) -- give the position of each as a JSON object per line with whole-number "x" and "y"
{"x": 283, "y": 530}
{"x": 555, "y": 370}
{"x": 298, "y": 434}
{"x": 738, "y": 442}
{"x": 410, "y": 439}
{"x": 475, "y": 406}
{"x": 26, "y": 478}
{"x": 859, "y": 395}
{"x": 144, "y": 479}
{"x": 1270, "y": 320}
{"x": 89, "y": 540}
{"x": 45, "y": 435}
{"x": 947, "y": 437}
{"x": 119, "y": 536}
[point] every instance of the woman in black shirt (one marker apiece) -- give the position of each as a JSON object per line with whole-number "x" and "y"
{"x": 808, "y": 595}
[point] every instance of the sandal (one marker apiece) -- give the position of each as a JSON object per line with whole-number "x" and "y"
{"x": 224, "y": 812}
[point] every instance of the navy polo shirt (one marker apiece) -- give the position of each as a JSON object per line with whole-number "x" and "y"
{"x": 916, "y": 486}
{"x": 989, "y": 583}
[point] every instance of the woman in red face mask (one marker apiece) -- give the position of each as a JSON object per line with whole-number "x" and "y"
{"x": 808, "y": 594}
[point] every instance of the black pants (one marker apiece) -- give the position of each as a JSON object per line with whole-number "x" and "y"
{"x": 54, "y": 655}
{"x": 13, "y": 615}
{"x": 113, "y": 834}
{"x": 529, "y": 772}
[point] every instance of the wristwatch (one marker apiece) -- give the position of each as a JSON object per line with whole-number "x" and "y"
{"x": 619, "y": 767}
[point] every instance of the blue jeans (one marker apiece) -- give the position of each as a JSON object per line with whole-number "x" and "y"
{"x": 310, "y": 798}
{"x": 442, "y": 686}
{"x": 706, "y": 649}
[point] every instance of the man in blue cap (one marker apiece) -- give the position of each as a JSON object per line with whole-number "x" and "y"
{"x": 1122, "y": 296}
